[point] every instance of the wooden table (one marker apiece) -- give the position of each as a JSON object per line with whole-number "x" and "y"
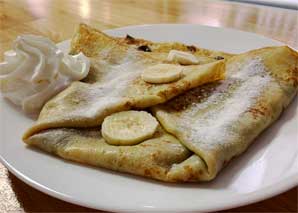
{"x": 57, "y": 19}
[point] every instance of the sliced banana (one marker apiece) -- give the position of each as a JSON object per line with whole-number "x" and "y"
{"x": 162, "y": 73}
{"x": 128, "y": 127}
{"x": 181, "y": 57}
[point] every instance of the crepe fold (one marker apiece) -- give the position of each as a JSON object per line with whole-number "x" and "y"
{"x": 219, "y": 121}
{"x": 200, "y": 130}
{"x": 114, "y": 83}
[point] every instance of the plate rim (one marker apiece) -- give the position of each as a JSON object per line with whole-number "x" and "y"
{"x": 251, "y": 197}
{"x": 128, "y": 27}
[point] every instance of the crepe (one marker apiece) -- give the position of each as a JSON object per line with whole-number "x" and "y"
{"x": 219, "y": 121}
{"x": 200, "y": 131}
{"x": 114, "y": 83}
{"x": 90, "y": 41}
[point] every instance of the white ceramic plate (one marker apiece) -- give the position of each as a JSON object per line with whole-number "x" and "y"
{"x": 269, "y": 167}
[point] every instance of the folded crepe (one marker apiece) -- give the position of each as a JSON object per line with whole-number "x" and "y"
{"x": 219, "y": 121}
{"x": 200, "y": 130}
{"x": 114, "y": 83}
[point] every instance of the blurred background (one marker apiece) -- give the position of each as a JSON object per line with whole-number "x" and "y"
{"x": 57, "y": 19}
{"x": 288, "y": 4}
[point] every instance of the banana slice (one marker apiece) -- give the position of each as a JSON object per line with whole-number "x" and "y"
{"x": 128, "y": 127}
{"x": 162, "y": 73}
{"x": 181, "y": 57}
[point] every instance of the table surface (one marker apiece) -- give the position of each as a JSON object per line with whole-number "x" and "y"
{"x": 57, "y": 19}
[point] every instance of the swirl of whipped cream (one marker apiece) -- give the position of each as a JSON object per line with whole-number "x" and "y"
{"x": 36, "y": 70}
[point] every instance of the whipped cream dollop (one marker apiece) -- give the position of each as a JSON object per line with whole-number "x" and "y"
{"x": 36, "y": 70}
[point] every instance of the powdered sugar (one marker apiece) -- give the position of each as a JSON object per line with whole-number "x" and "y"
{"x": 109, "y": 92}
{"x": 225, "y": 105}
{"x": 249, "y": 69}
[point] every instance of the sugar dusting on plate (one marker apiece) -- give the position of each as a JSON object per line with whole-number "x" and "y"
{"x": 225, "y": 105}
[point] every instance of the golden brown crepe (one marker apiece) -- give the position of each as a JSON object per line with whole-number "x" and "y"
{"x": 220, "y": 120}
{"x": 90, "y": 41}
{"x": 201, "y": 130}
{"x": 114, "y": 83}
